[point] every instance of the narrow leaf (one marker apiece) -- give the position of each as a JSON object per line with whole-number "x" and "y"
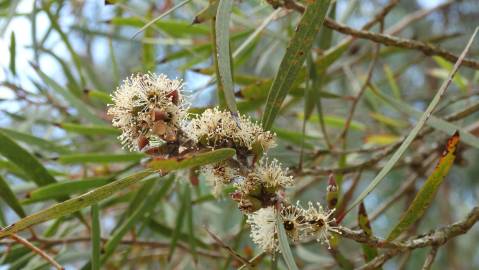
{"x": 13, "y": 54}
{"x": 363, "y": 221}
{"x": 100, "y": 158}
{"x": 62, "y": 189}
{"x": 24, "y": 160}
{"x": 296, "y": 53}
{"x": 7, "y": 195}
{"x": 434, "y": 122}
{"x": 145, "y": 208}
{"x": 191, "y": 228}
{"x": 72, "y": 205}
{"x": 95, "y": 237}
{"x": 99, "y": 95}
{"x": 32, "y": 140}
{"x": 193, "y": 160}
{"x": 179, "y": 221}
{"x": 284, "y": 245}
{"x": 89, "y": 129}
{"x": 161, "y": 16}
{"x": 72, "y": 99}
{"x": 428, "y": 191}
{"x": 224, "y": 57}
{"x": 207, "y": 13}
{"x": 392, "y": 82}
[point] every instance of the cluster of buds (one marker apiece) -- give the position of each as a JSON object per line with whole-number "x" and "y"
{"x": 261, "y": 186}
{"x": 152, "y": 115}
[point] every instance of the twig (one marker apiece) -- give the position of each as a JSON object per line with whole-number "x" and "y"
{"x": 399, "y": 26}
{"x": 343, "y": 133}
{"x": 254, "y": 260}
{"x": 40, "y": 252}
{"x": 230, "y": 250}
{"x": 153, "y": 244}
{"x": 430, "y": 258}
{"x": 389, "y": 40}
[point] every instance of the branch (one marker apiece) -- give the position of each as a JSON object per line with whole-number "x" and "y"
{"x": 388, "y": 40}
{"x": 435, "y": 238}
{"x": 40, "y": 252}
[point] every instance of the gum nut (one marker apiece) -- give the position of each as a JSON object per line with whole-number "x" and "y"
{"x": 175, "y": 97}
{"x": 170, "y": 135}
{"x": 142, "y": 142}
{"x": 158, "y": 114}
{"x": 159, "y": 127}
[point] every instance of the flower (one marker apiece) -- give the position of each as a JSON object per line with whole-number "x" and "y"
{"x": 271, "y": 174}
{"x": 263, "y": 229}
{"x": 147, "y": 108}
{"x": 218, "y": 175}
{"x": 294, "y": 222}
{"x": 215, "y": 128}
{"x": 320, "y": 223}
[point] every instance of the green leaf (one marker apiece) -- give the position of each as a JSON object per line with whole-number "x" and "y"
{"x": 298, "y": 48}
{"x": 24, "y": 160}
{"x": 89, "y": 129}
{"x": 32, "y": 140}
{"x": 434, "y": 122}
{"x": 412, "y": 134}
{"x": 13, "y": 53}
{"x": 9, "y": 197}
{"x": 388, "y": 121}
{"x": 54, "y": 24}
{"x": 295, "y": 137}
{"x": 392, "y": 82}
{"x": 224, "y": 57}
{"x": 95, "y": 237}
{"x": 337, "y": 122}
{"x": 207, "y": 13}
{"x": 175, "y": 28}
{"x": 363, "y": 222}
{"x": 191, "y": 228}
{"x": 179, "y": 220}
{"x": 73, "y": 100}
{"x": 284, "y": 244}
{"x": 99, "y": 95}
{"x": 192, "y": 160}
{"x": 64, "y": 188}
{"x": 428, "y": 191}
{"x": 100, "y": 158}
{"x": 458, "y": 80}
{"x": 72, "y": 205}
{"x": 166, "y": 13}
{"x": 166, "y": 231}
{"x": 148, "y": 53}
{"x": 143, "y": 210}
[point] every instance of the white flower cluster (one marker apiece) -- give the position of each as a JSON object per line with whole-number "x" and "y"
{"x": 299, "y": 224}
{"x": 216, "y": 128}
{"x": 218, "y": 175}
{"x": 147, "y": 108}
{"x": 151, "y": 113}
{"x": 271, "y": 174}
{"x": 265, "y": 176}
{"x": 263, "y": 228}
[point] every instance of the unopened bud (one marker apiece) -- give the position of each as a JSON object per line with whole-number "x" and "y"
{"x": 332, "y": 192}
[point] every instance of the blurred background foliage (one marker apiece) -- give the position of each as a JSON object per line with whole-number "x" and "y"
{"x": 60, "y": 60}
